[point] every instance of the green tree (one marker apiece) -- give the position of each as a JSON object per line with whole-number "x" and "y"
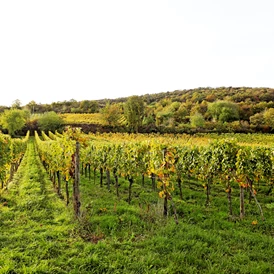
{"x": 13, "y": 120}
{"x": 197, "y": 120}
{"x": 269, "y": 117}
{"x": 50, "y": 121}
{"x": 112, "y": 114}
{"x": 31, "y": 106}
{"x": 134, "y": 112}
{"x": 87, "y": 106}
{"x": 257, "y": 119}
{"x": 16, "y": 104}
{"x": 224, "y": 111}
{"x": 181, "y": 115}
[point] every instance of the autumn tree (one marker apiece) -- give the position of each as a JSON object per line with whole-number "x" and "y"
{"x": 13, "y": 120}
{"x": 269, "y": 117}
{"x": 257, "y": 119}
{"x": 134, "y": 112}
{"x": 112, "y": 114}
{"x": 182, "y": 114}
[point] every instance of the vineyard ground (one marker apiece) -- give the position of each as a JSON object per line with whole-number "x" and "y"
{"x": 38, "y": 233}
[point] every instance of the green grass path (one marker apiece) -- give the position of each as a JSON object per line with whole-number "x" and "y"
{"x": 36, "y": 228}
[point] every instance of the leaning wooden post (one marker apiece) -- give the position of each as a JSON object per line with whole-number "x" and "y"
{"x": 242, "y": 205}
{"x": 76, "y": 191}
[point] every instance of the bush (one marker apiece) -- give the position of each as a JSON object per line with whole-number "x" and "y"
{"x": 50, "y": 121}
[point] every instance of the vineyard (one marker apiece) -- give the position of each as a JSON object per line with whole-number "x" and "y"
{"x": 11, "y": 153}
{"x": 159, "y": 203}
{"x": 83, "y": 118}
{"x": 169, "y": 162}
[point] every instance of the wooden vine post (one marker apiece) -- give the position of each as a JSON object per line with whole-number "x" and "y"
{"x": 242, "y": 204}
{"x": 76, "y": 190}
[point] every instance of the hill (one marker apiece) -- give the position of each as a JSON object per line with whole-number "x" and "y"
{"x": 223, "y": 109}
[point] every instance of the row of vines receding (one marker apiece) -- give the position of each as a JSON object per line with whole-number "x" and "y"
{"x": 170, "y": 166}
{"x": 11, "y": 153}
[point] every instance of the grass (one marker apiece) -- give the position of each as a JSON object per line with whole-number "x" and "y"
{"x": 205, "y": 241}
{"x": 38, "y": 233}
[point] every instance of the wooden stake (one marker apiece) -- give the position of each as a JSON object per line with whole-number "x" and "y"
{"x": 76, "y": 191}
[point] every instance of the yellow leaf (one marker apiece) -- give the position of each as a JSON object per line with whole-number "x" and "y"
{"x": 159, "y": 184}
{"x": 161, "y": 194}
{"x": 172, "y": 169}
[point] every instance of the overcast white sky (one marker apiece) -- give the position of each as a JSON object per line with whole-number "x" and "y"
{"x": 57, "y": 50}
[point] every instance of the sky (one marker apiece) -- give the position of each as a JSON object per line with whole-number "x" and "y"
{"x": 58, "y": 50}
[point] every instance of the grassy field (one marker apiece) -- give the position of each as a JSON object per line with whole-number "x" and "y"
{"x": 38, "y": 233}
{"x": 204, "y": 241}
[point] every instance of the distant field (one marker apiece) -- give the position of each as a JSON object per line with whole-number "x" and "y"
{"x": 83, "y": 118}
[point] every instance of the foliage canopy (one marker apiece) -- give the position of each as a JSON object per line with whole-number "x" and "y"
{"x": 134, "y": 112}
{"x": 50, "y": 121}
{"x": 13, "y": 120}
{"x": 224, "y": 111}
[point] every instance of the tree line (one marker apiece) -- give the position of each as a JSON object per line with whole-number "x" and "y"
{"x": 224, "y": 109}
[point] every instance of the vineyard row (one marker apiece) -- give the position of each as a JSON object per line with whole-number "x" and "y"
{"x": 169, "y": 166}
{"x": 11, "y": 153}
